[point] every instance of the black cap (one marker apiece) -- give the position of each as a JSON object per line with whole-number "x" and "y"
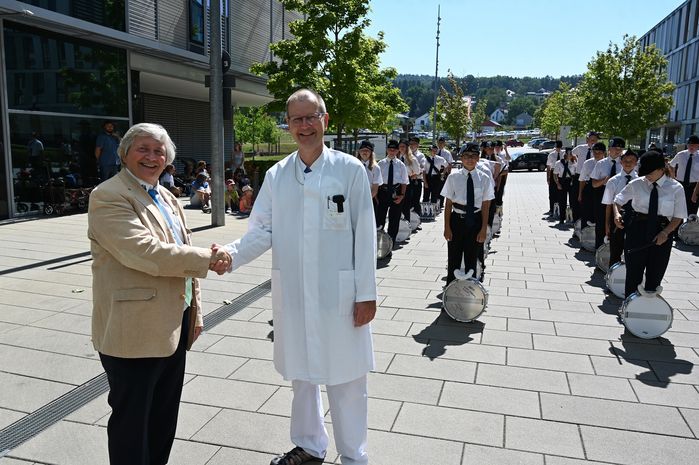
{"x": 441, "y": 139}
{"x": 470, "y": 147}
{"x": 392, "y": 144}
{"x": 434, "y": 146}
{"x": 365, "y": 144}
{"x": 629, "y": 153}
{"x": 569, "y": 149}
{"x": 693, "y": 139}
{"x": 617, "y": 142}
{"x": 650, "y": 161}
{"x": 414, "y": 139}
{"x": 486, "y": 144}
{"x": 593, "y": 134}
{"x": 404, "y": 142}
{"x": 599, "y": 146}
{"x": 498, "y": 143}
{"x": 559, "y": 144}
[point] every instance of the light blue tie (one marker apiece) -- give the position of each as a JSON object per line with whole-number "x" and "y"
{"x": 175, "y": 232}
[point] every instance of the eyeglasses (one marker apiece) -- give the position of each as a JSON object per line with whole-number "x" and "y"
{"x": 301, "y": 120}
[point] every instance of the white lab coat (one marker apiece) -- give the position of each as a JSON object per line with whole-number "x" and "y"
{"x": 323, "y": 261}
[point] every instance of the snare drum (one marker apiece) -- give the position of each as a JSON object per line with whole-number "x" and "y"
{"x": 587, "y": 238}
{"x": 384, "y": 245}
{"x": 569, "y": 215}
{"x": 403, "y": 231}
{"x": 689, "y": 231}
{"x": 616, "y": 279}
{"x": 414, "y": 221}
{"x": 602, "y": 257}
{"x": 646, "y": 316}
{"x": 464, "y": 299}
{"x": 427, "y": 210}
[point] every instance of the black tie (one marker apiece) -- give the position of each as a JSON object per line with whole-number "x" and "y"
{"x": 589, "y": 152}
{"x": 688, "y": 169}
{"x": 558, "y": 156}
{"x": 653, "y": 212}
{"x": 390, "y": 176}
{"x": 566, "y": 170}
{"x": 628, "y": 178}
{"x": 613, "y": 171}
{"x": 470, "y": 195}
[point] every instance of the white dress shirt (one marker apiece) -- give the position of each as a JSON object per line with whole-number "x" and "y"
{"x": 580, "y": 151}
{"x": 559, "y": 169}
{"x": 446, "y": 154}
{"x": 455, "y": 187}
{"x": 373, "y": 172}
{"x": 400, "y": 172}
{"x": 671, "y": 200}
{"x": 587, "y": 169}
{"x": 439, "y": 163}
{"x": 680, "y": 164}
{"x": 420, "y": 158}
{"x": 615, "y": 184}
{"x": 553, "y": 158}
{"x": 603, "y": 168}
{"x": 413, "y": 167}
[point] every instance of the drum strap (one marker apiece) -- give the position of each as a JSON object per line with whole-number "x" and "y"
{"x": 432, "y": 168}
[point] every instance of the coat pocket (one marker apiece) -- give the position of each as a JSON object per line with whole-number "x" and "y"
{"x": 123, "y": 295}
{"x": 335, "y": 212}
{"x": 346, "y": 293}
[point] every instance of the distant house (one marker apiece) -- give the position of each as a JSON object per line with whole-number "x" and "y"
{"x": 540, "y": 95}
{"x": 498, "y": 115}
{"x": 510, "y": 93}
{"x": 489, "y": 127}
{"x": 523, "y": 120}
{"x": 423, "y": 122}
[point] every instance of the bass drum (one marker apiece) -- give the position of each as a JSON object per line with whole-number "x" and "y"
{"x": 403, "y": 231}
{"x": 646, "y": 315}
{"x": 428, "y": 211}
{"x": 602, "y": 257}
{"x": 384, "y": 245}
{"x": 465, "y": 299}
{"x": 587, "y": 238}
{"x": 577, "y": 229}
{"x": 689, "y": 231}
{"x": 616, "y": 279}
{"x": 414, "y": 221}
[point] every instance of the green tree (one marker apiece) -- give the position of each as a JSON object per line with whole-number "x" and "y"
{"x": 329, "y": 53}
{"x": 453, "y": 111}
{"x": 478, "y": 117}
{"x": 254, "y": 126}
{"x": 626, "y": 90}
{"x": 560, "y": 109}
{"x": 520, "y": 105}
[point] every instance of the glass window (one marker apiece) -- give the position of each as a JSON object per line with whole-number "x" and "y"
{"x": 109, "y": 13}
{"x": 196, "y": 22}
{"x": 53, "y": 73}
{"x": 53, "y": 158}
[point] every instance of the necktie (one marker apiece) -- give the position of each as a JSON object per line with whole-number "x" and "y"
{"x": 628, "y": 178}
{"x": 390, "y": 176}
{"x": 566, "y": 170}
{"x": 653, "y": 212}
{"x": 613, "y": 171}
{"x": 307, "y": 170}
{"x": 589, "y": 152}
{"x": 470, "y": 196}
{"x": 558, "y": 156}
{"x": 175, "y": 232}
{"x": 688, "y": 169}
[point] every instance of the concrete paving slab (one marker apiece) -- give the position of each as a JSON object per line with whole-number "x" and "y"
{"x": 482, "y": 455}
{"x": 400, "y": 449}
{"x": 423, "y": 367}
{"x": 49, "y": 366}
{"x": 672, "y": 394}
{"x": 547, "y": 437}
{"x": 492, "y": 399}
{"x": 228, "y": 393}
{"x": 557, "y": 361}
{"x": 602, "y": 387}
{"x": 522, "y": 378}
{"x": 67, "y": 443}
{"x": 7, "y": 417}
{"x": 417, "y": 390}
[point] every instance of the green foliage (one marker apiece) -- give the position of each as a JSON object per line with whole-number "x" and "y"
{"x": 331, "y": 54}
{"x": 478, "y": 117}
{"x": 520, "y": 105}
{"x": 626, "y": 90}
{"x": 255, "y": 126}
{"x": 562, "y": 108}
{"x": 453, "y": 111}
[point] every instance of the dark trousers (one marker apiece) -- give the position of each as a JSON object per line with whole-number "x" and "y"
{"x": 616, "y": 245}
{"x": 587, "y": 209}
{"x": 491, "y": 213}
{"x": 431, "y": 194}
{"x": 387, "y": 205}
{"x": 574, "y": 204}
{"x": 553, "y": 194}
{"x": 652, "y": 260}
{"x": 412, "y": 195}
{"x": 600, "y": 211}
{"x": 144, "y": 394}
{"x": 692, "y": 207}
{"x": 501, "y": 191}
{"x": 417, "y": 192}
{"x": 463, "y": 244}
{"x": 563, "y": 194}
{"x": 108, "y": 171}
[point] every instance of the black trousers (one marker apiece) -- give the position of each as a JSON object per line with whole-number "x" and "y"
{"x": 417, "y": 192}
{"x": 144, "y": 394}
{"x": 692, "y": 207}
{"x": 563, "y": 194}
{"x": 553, "y": 194}
{"x": 463, "y": 244}
{"x": 387, "y": 205}
{"x": 616, "y": 245}
{"x": 434, "y": 187}
{"x": 412, "y": 196}
{"x": 574, "y": 204}
{"x": 587, "y": 209}
{"x": 501, "y": 191}
{"x": 652, "y": 260}
{"x": 600, "y": 211}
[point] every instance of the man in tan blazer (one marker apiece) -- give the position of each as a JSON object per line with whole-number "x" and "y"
{"x": 146, "y": 301}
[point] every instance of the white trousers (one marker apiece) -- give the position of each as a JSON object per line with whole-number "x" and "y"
{"x": 348, "y": 409}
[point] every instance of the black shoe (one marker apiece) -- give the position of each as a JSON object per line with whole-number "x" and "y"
{"x": 295, "y": 456}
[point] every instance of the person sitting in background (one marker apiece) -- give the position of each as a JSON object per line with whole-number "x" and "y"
{"x": 245, "y": 206}
{"x": 231, "y": 197}
{"x": 167, "y": 179}
{"x": 201, "y": 168}
{"x": 201, "y": 193}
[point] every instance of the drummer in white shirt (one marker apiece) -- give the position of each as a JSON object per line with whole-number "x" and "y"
{"x": 583, "y": 152}
{"x": 551, "y": 160}
{"x": 688, "y": 177}
{"x": 563, "y": 172}
{"x": 615, "y": 184}
{"x": 586, "y": 195}
{"x": 659, "y": 207}
{"x": 468, "y": 192}
{"x": 373, "y": 172}
{"x": 446, "y": 154}
{"x": 605, "y": 169}
{"x": 392, "y": 192}
{"x": 432, "y": 175}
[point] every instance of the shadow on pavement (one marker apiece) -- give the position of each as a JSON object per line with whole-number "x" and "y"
{"x": 660, "y": 360}
{"x": 443, "y": 332}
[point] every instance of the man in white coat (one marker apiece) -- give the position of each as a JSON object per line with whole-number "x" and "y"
{"x": 315, "y": 211}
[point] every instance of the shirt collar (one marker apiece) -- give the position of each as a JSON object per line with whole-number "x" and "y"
{"x": 143, "y": 183}
{"x": 659, "y": 182}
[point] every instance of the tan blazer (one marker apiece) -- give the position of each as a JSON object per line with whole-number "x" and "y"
{"x": 138, "y": 271}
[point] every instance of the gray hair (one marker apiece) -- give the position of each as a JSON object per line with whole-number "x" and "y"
{"x": 155, "y": 131}
{"x": 306, "y": 95}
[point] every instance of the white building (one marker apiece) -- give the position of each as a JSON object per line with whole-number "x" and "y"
{"x": 423, "y": 122}
{"x": 499, "y": 115}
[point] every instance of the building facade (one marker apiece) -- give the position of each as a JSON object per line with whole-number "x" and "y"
{"x": 677, "y": 37}
{"x": 68, "y": 66}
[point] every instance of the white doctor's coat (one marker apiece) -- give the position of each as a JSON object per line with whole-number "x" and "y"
{"x": 323, "y": 261}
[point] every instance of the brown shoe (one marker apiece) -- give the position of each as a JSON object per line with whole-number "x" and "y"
{"x": 295, "y": 456}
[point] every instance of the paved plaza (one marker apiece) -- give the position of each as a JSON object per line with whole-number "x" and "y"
{"x": 545, "y": 377}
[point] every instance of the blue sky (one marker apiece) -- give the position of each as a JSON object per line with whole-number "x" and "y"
{"x": 508, "y": 37}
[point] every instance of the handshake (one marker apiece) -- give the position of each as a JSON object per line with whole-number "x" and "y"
{"x": 220, "y": 259}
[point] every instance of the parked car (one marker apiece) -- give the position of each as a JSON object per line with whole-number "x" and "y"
{"x": 548, "y": 144}
{"x": 529, "y": 161}
{"x": 514, "y": 143}
{"x": 534, "y": 143}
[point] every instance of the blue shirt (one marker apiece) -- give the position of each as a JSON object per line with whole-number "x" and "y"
{"x": 109, "y": 144}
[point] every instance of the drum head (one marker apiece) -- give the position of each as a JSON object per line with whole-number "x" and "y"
{"x": 384, "y": 245}
{"x": 464, "y": 299}
{"x": 414, "y": 221}
{"x": 646, "y": 317}
{"x": 587, "y": 238}
{"x": 428, "y": 211}
{"x": 403, "y": 231}
{"x": 689, "y": 232}
{"x": 602, "y": 257}
{"x": 616, "y": 279}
